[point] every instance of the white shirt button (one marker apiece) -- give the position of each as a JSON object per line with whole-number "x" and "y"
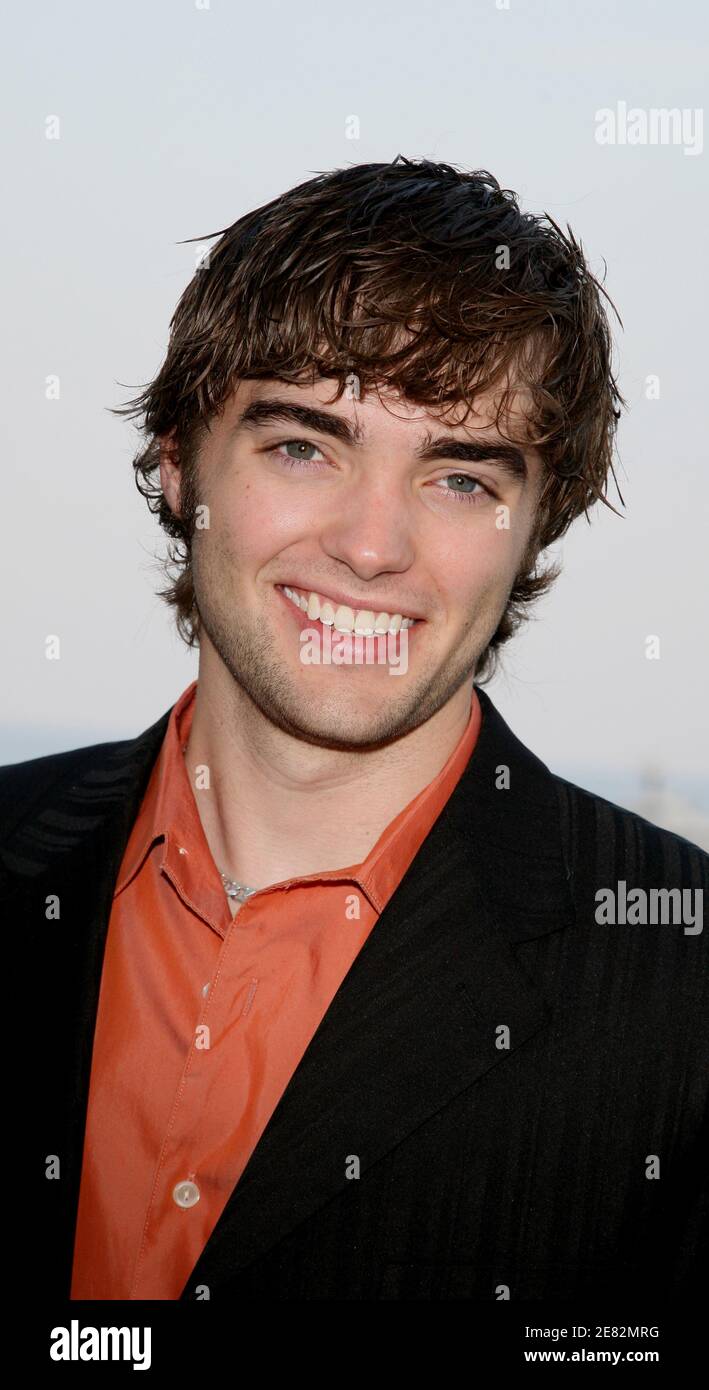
{"x": 185, "y": 1194}
{"x": 205, "y": 988}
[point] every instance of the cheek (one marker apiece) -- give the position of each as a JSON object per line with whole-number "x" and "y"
{"x": 490, "y": 558}
{"x": 273, "y": 516}
{"x": 245, "y": 523}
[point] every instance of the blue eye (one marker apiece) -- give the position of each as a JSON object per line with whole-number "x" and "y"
{"x": 299, "y": 444}
{"x": 462, "y": 478}
{"x": 477, "y": 492}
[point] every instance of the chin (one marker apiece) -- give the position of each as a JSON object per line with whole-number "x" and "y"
{"x": 342, "y": 720}
{"x": 342, "y": 715}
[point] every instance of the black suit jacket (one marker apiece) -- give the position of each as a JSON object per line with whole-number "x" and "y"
{"x": 502, "y": 1067}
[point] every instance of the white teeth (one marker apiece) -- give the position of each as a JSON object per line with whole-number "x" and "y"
{"x": 364, "y": 622}
{"x": 361, "y": 621}
{"x": 296, "y": 598}
{"x": 344, "y": 618}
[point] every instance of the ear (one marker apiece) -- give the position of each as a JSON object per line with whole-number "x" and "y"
{"x": 170, "y": 471}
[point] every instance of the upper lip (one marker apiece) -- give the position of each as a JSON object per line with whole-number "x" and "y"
{"x": 357, "y": 605}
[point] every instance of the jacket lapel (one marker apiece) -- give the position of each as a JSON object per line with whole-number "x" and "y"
{"x": 414, "y": 1022}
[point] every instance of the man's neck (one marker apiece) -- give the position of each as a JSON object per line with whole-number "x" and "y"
{"x": 278, "y": 807}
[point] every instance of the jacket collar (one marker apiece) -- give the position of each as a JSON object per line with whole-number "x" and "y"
{"x": 503, "y": 810}
{"x": 416, "y": 1018}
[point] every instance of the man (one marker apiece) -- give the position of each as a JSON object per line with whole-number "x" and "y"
{"x": 342, "y": 993}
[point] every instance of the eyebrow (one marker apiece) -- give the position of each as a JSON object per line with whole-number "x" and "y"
{"x": 447, "y": 446}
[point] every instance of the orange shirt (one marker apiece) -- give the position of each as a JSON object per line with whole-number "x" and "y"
{"x": 203, "y": 1018}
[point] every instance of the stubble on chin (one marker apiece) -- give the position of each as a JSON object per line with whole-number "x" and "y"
{"x": 334, "y": 716}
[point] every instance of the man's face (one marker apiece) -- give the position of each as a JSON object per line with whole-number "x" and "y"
{"x": 366, "y": 508}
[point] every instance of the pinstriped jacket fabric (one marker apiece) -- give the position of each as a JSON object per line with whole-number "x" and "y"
{"x": 507, "y": 1096}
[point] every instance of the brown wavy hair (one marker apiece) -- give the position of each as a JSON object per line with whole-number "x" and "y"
{"x": 413, "y": 274}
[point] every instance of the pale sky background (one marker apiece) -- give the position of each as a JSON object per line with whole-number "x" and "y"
{"x": 178, "y": 118}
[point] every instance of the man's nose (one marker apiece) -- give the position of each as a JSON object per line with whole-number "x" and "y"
{"x": 372, "y": 529}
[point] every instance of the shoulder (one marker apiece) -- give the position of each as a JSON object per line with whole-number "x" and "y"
{"x": 25, "y": 786}
{"x": 624, "y": 841}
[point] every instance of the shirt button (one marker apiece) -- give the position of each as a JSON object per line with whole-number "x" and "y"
{"x": 185, "y": 1194}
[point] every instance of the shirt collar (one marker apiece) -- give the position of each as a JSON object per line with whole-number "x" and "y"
{"x": 169, "y": 814}
{"x": 168, "y": 811}
{"x": 387, "y": 862}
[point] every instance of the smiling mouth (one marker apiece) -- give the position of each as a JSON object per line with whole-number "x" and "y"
{"x": 361, "y": 622}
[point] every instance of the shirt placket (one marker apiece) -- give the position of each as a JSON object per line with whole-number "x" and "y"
{"x": 183, "y": 1190}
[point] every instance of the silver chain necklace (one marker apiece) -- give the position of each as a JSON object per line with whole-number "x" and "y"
{"x": 234, "y": 889}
